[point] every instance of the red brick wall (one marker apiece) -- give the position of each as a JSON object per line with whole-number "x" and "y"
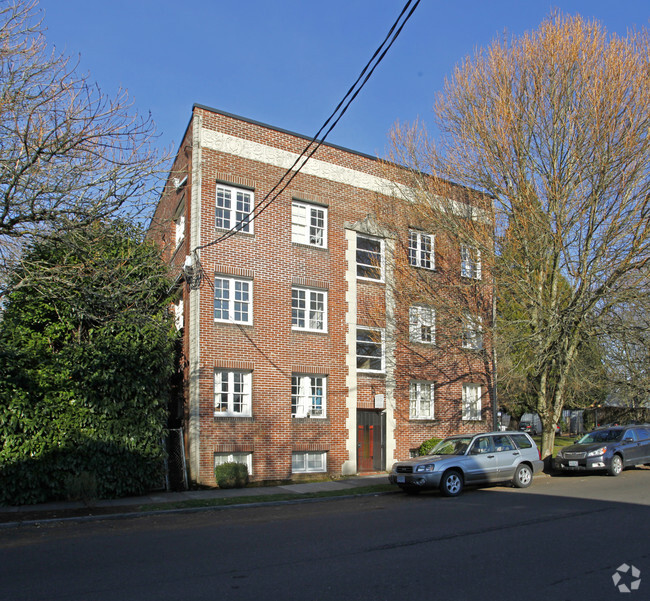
{"x": 269, "y": 346}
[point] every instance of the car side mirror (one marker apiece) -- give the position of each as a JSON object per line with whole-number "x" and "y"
{"x": 628, "y": 440}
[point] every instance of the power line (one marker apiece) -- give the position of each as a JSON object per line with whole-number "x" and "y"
{"x": 332, "y": 121}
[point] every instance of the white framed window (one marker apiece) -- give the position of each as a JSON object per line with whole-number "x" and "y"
{"x": 421, "y": 400}
{"x": 179, "y": 229}
{"x": 232, "y": 393}
{"x": 470, "y": 262}
{"x": 421, "y": 250}
{"x": 471, "y": 402}
{"x": 179, "y": 314}
{"x": 308, "y": 396}
{"x": 422, "y": 324}
{"x": 370, "y": 258}
{"x": 473, "y": 332}
{"x": 309, "y": 461}
{"x": 233, "y": 300}
{"x": 370, "y": 350}
{"x": 245, "y": 458}
{"x": 233, "y": 208}
{"x": 308, "y": 309}
{"x": 308, "y": 224}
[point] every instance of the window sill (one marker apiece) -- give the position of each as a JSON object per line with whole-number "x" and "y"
{"x": 234, "y": 231}
{"x": 306, "y": 331}
{"x": 305, "y": 245}
{"x": 232, "y": 417}
{"x": 233, "y": 323}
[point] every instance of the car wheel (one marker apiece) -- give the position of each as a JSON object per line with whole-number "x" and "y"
{"x": 523, "y": 476}
{"x": 451, "y": 484}
{"x": 615, "y": 466}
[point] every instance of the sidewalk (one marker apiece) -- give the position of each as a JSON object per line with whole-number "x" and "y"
{"x": 61, "y": 510}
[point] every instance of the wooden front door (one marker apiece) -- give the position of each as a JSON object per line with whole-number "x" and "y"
{"x": 371, "y": 441}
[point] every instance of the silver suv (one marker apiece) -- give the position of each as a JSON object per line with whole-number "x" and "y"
{"x": 470, "y": 459}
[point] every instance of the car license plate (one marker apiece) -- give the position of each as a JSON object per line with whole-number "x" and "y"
{"x": 401, "y": 479}
{"x": 573, "y": 464}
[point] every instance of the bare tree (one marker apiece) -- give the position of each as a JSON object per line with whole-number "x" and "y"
{"x": 69, "y": 155}
{"x": 627, "y": 349}
{"x": 553, "y": 127}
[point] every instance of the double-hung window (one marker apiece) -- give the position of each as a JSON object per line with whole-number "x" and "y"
{"x": 308, "y": 224}
{"x": 370, "y": 350}
{"x": 470, "y": 262}
{"x": 232, "y": 393}
{"x": 421, "y": 250}
{"x": 308, "y": 395}
{"x": 473, "y": 332}
{"x": 233, "y": 300}
{"x": 370, "y": 258}
{"x": 179, "y": 229}
{"x": 421, "y": 400}
{"x": 471, "y": 409}
{"x": 422, "y": 324}
{"x": 233, "y": 208}
{"x": 309, "y": 461}
{"x": 309, "y": 309}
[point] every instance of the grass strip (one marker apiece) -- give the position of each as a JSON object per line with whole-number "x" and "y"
{"x": 270, "y": 498}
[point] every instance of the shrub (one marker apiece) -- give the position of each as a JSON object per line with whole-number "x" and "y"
{"x": 231, "y": 475}
{"x": 427, "y": 445}
{"x": 81, "y": 487}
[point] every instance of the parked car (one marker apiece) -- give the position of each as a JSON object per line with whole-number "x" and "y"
{"x": 607, "y": 449}
{"x": 470, "y": 459}
{"x": 529, "y": 427}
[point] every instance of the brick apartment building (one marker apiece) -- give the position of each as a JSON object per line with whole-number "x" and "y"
{"x": 291, "y": 364}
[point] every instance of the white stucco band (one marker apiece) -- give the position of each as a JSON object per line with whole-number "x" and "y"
{"x": 284, "y": 159}
{"x": 255, "y": 151}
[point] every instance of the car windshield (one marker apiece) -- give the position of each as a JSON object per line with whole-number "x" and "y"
{"x": 451, "y": 446}
{"x": 601, "y": 436}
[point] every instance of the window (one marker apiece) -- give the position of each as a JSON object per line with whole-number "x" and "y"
{"x": 521, "y": 440}
{"x": 370, "y": 350}
{"x": 308, "y": 309}
{"x": 179, "y": 229}
{"x": 421, "y": 397}
{"x": 470, "y": 262}
{"x": 233, "y": 300}
{"x": 309, "y": 461}
{"x": 233, "y": 208}
{"x": 473, "y": 333}
{"x": 502, "y": 443}
{"x": 308, "y": 224}
{"x": 245, "y": 458}
{"x": 422, "y": 324}
{"x": 232, "y": 393}
{"x": 179, "y": 314}
{"x": 307, "y": 396}
{"x": 471, "y": 402}
{"x": 421, "y": 250}
{"x": 370, "y": 258}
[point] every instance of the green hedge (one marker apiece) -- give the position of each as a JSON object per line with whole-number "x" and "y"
{"x": 231, "y": 475}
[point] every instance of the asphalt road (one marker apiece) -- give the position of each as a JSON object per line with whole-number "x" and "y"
{"x": 561, "y": 539}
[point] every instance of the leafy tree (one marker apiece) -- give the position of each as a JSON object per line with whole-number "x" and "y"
{"x": 85, "y": 361}
{"x": 69, "y": 154}
{"x": 554, "y": 128}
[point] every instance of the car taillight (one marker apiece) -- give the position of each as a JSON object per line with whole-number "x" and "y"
{"x": 540, "y": 454}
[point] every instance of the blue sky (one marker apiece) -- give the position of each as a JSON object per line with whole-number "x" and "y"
{"x": 289, "y": 62}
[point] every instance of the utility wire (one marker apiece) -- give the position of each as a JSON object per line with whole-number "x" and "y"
{"x": 315, "y": 142}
